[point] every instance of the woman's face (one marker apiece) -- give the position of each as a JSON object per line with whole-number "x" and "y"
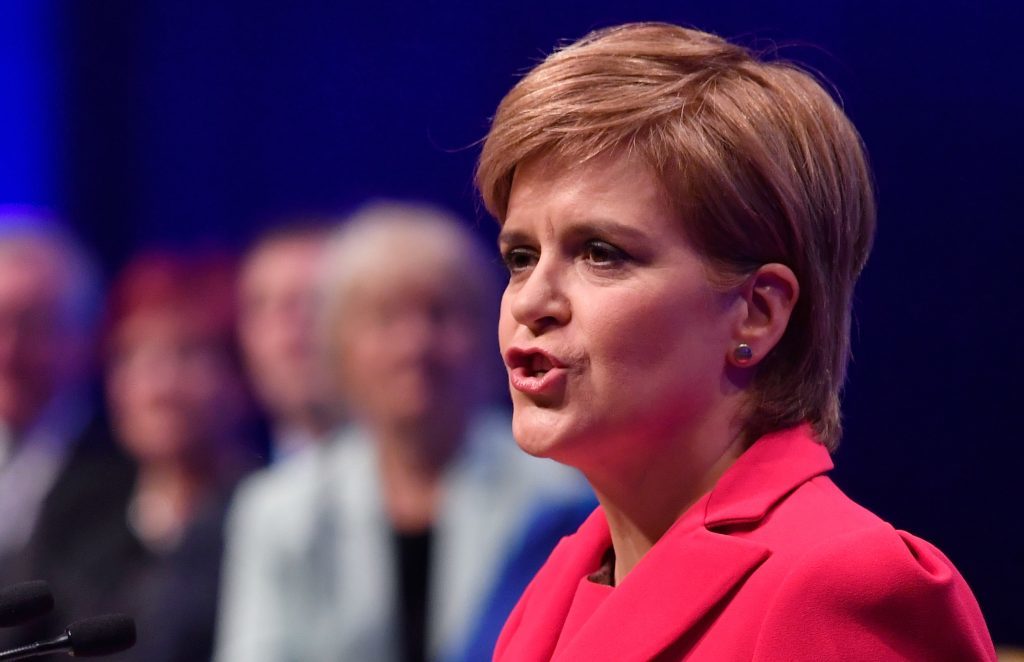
{"x": 409, "y": 347}
{"x": 614, "y": 338}
{"x": 172, "y": 392}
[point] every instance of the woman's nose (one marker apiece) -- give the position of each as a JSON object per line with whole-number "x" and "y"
{"x": 414, "y": 331}
{"x": 539, "y": 301}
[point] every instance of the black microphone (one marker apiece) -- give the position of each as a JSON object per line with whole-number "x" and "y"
{"x": 24, "y": 602}
{"x": 89, "y": 637}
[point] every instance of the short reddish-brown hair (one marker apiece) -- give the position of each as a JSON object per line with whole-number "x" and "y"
{"x": 200, "y": 288}
{"x": 759, "y": 161}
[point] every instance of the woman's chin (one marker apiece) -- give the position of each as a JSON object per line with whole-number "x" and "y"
{"x": 541, "y": 438}
{"x": 534, "y": 447}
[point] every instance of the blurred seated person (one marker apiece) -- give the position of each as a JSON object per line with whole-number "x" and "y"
{"x": 48, "y": 301}
{"x": 178, "y": 409}
{"x": 411, "y": 534}
{"x": 58, "y": 466}
{"x": 276, "y": 311}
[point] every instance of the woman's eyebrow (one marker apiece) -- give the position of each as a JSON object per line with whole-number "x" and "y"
{"x": 512, "y": 237}
{"x": 579, "y": 229}
{"x": 604, "y": 227}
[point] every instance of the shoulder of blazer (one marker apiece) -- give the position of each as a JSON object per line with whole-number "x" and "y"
{"x": 875, "y": 593}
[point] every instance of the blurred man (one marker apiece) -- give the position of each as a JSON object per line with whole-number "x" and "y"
{"x": 277, "y": 302}
{"x": 48, "y": 299}
{"x": 59, "y": 475}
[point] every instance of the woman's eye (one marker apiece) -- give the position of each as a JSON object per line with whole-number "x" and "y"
{"x": 519, "y": 259}
{"x": 603, "y": 254}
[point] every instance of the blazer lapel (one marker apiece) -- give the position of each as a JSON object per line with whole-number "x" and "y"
{"x": 680, "y": 580}
{"x": 689, "y": 572}
{"x": 666, "y": 595}
{"x": 764, "y": 475}
{"x": 533, "y": 628}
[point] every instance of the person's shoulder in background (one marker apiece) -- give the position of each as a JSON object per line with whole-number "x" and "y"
{"x": 553, "y": 499}
{"x": 274, "y": 507}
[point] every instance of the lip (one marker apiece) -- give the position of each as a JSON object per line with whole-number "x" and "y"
{"x": 521, "y": 377}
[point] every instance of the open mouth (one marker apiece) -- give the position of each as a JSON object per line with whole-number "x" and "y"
{"x": 538, "y": 365}
{"x": 534, "y": 371}
{"x": 531, "y": 362}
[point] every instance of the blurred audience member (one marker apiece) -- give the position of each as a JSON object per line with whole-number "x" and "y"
{"x": 412, "y": 533}
{"x": 178, "y": 409}
{"x": 59, "y": 472}
{"x": 48, "y": 297}
{"x": 277, "y": 305}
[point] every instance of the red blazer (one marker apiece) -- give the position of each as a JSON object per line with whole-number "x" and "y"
{"x": 776, "y": 563}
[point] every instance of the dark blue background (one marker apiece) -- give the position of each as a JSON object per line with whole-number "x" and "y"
{"x": 175, "y": 122}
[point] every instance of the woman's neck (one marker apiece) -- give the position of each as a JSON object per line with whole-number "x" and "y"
{"x": 642, "y": 499}
{"x": 313, "y": 421}
{"x": 164, "y": 501}
{"x": 413, "y": 460}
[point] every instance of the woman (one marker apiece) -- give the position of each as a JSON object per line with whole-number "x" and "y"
{"x": 178, "y": 408}
{"x": 409, "y": 536}
{"x": 683, "y": 226}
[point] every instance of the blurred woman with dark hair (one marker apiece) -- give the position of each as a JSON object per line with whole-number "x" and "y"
{"x": 178, "y": 409}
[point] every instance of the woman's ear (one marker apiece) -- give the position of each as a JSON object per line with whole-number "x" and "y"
{"x": 770, "y": 294}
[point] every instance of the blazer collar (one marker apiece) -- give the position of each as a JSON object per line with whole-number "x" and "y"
{"x": 533, "y": 629}
{"x": 682, "y": 577}
{"x": 691, "y": 570}
{"x": 775, "y": 465}
{"x": 680, "y": 580}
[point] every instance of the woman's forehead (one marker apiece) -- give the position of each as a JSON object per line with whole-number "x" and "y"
{"x": 614, "y": 189}
{"x": 417, "y": 277}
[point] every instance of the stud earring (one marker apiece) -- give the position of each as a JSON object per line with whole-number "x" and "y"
{"x": 743, "y": 354}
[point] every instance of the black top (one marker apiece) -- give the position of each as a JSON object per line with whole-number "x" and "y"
{"x": 413, "y": 584}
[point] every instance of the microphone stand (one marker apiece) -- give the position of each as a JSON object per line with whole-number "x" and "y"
{"x": 61, "y": 644}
